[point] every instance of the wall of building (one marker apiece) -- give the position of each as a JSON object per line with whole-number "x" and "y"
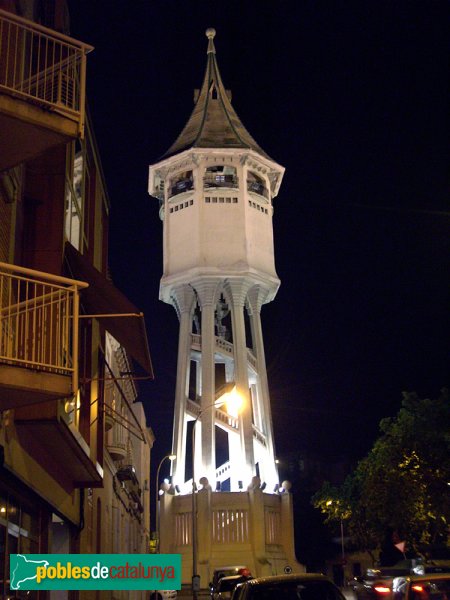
{"x": 47, "y": 200}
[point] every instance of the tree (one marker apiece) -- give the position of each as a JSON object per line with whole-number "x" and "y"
{"x": 402, "y": 485}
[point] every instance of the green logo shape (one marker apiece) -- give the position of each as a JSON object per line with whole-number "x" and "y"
{"x": 95, "y": 571}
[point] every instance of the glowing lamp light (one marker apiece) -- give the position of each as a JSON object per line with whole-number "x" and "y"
{"x": 3, "y": 509}
{"x": 418, "y": 588}
{"x": 382, "y": 589}
{"x": 233, "y": 402}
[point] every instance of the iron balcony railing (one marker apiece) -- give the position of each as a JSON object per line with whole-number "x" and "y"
{"x": 43, "y": 66}
{"x": 220, "y": 180}
{"x": 39, "y": 316}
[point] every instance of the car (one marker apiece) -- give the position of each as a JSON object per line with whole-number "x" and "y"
{"x": 226, "y": 586}
{"x": 433, "y": 586}
{"x": 305, "y": 586}
{"x": 382, "y": 583}
{"x": 226, "y": 571}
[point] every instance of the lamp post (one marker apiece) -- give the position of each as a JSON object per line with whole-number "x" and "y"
{"x": 341, "y": 518}
{"x": 234, "y": 402}
{"x": 195, "y": 576}
{"x": 170, "y": 457}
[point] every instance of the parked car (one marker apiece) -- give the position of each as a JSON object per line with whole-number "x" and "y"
{"x": 306, "y": 586}
{"x": 226, "y": 586}
{"x": 226, "y": 571}
{"x": 435, "y": 586}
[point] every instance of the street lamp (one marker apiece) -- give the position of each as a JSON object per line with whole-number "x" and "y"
{"x": 170, "y": 457}
{"x": 233, "y": 400}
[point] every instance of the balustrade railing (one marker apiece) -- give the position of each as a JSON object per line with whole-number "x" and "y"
{"x": 227, "y": 347}
{"x": 259, "y": 436}
{"x": 252, "y": 359}
{"x": 42, "y": 65}
{"x": 39, "y": 320}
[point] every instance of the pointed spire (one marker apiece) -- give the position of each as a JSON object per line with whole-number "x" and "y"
{"x": 211, "y": 34}
{"x": 213, "y": 122}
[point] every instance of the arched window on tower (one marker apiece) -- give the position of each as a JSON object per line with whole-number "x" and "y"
{"x": 181, "y": 182}
{"x": 220, "y": 176}
{"x": 256, "y": 184}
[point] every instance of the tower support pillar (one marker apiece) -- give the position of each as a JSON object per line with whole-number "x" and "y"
{"x": 207, "y": 296}
{"x": 237, "y": 291}
{"x": 256, "y": 297}
{"x": 183, "y": 299}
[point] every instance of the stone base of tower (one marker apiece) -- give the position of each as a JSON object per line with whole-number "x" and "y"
{"x": 249, "y": 528}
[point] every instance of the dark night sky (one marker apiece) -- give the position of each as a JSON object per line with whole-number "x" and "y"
{"x": 352, "y": 98}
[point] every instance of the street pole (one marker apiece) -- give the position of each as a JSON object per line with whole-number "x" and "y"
{"x": 195, "y": 576}
{"x": 171, "y": 457}
{"x": 343, "y": 552}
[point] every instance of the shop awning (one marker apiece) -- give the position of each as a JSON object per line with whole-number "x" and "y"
{"x": 117, "y": 314}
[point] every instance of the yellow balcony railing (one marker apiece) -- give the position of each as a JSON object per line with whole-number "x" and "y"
{"x": 43, "y": 66}
{"x": 39, "y": 317}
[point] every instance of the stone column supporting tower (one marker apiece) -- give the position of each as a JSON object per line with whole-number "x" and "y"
{"x": 215, "y": 187}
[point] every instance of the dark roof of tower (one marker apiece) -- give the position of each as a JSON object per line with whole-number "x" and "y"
{"x": 213, "y": 122}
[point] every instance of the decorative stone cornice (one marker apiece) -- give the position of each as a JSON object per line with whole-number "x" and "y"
{"x": 256, "y": 297}
{"x": 236, "y": 290}
{"x": 183, "y": 298}
{"x": 207, "y": 291}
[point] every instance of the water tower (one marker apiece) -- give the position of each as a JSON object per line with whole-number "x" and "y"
{"x": 215, "y": 187}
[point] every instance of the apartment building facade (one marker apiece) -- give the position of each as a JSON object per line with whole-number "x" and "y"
{"x": 74, "y": 444}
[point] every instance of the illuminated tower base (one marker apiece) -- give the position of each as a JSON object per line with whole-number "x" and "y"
{"x": 215, "y": 186}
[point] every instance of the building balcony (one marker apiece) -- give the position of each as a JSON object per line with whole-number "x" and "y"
{"x": 48, "y": 432}
{"x": 181, "y": 186}
{"x": 38, "y": 336}
{"x": 42, "y": 89}
{"x": 257, "y": 188}
{"x": 117, "y": 450}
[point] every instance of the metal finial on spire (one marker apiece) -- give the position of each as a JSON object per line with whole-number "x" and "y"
{"x": 211, "y": 34}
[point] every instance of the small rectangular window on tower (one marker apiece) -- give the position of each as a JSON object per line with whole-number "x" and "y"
{"x": 207, "y": 199}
